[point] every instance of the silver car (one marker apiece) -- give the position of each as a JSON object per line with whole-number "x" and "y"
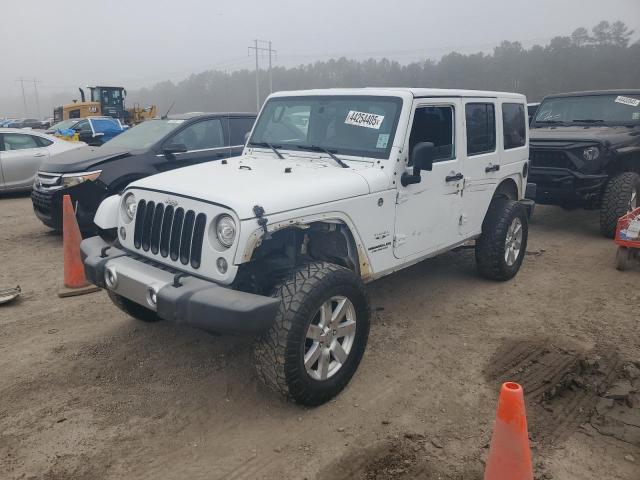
{"x": 23, "y": 151}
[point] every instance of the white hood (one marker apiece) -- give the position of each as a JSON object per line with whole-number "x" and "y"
{"x": 247, "y": 181}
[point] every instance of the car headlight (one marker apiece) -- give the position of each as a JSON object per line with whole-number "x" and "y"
{"x": 590, "y": 153}
{"x": 129, "y": 207}
{"x": 72, "y": 179}
{"x": 226, "y": 230}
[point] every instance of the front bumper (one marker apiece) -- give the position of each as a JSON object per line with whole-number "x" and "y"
{"x": 47, "y": 204}
{"x": 180, "y": 298}
{"x": 562, "y": 186}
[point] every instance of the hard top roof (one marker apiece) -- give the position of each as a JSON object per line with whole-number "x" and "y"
{"x": 415, "y": 92}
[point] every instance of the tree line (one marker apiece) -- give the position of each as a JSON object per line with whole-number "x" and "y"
{"x": 601, "y": 58}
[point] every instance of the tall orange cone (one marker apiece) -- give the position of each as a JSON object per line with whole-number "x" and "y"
{"x": 75, "y": 283}
{"x": 509, "y": 454}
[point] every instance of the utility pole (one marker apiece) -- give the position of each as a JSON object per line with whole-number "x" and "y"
{"x": 24, "y": 98}
{"x": 35, "y": 89}
{"x": 271, "y": 52}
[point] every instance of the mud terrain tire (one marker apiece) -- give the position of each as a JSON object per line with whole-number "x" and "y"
{"x": 616, "y": 200}
{"x": 279, "y": 353}
{"x": 492, "y": 244}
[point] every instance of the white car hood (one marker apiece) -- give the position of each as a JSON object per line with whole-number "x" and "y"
{"x": 277, "y": 185}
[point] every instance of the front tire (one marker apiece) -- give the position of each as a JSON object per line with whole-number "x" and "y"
{"x": 620, "y": 197}
{"x": 501, "y": 247}
{"x": 133, "y": 309}
{"x": 319, "y": 335}
{"x": 624, "y": 256}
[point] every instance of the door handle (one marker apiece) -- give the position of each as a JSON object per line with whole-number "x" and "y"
{"x": 39, "y": 154}
{"x": 492, "y": 168}
{"x": 454, "y": 178}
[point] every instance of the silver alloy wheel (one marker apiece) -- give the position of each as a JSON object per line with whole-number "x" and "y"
{"x": 330, "y": 338}
{"x": 513, "y": 242}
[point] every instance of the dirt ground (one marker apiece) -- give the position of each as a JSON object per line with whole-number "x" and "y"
{"x": 88, "y": 393}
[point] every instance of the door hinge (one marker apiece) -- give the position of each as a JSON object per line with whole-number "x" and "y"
{"x": 401, "y": 197}
{"x": 399, "y": 239}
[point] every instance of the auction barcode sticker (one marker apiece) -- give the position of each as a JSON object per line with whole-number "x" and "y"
{"x": 634, "y": 102}
{"x": 363, "y": 119}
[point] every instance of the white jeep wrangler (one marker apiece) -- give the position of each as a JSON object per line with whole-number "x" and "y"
{"x": 335, "y": 188}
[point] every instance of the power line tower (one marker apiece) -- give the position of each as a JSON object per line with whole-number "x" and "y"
{"x": 258, "y": 47}
{"x": 35, "y": 89}
{"x": 24, "y": 98}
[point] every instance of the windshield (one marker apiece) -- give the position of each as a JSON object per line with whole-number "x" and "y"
{"x": 589, "y": 109}
{"x": 145, "y": 134}
{"x": 64, "y": 124}
{"x": 348, "y": 125}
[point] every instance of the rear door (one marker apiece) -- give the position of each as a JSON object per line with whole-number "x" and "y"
{"x": 20, "y": 156}
{"x": 481, "y": 161}
{"x": 204, "y": 141}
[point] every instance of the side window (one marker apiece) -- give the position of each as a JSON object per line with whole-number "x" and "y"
{"x": 434, "y": 124}
{"x": 239, "y": 128}
{"x": 513, "y": 125}
{"x": 481, "y": 128}
{"x": 83, "y": 126}
{"x": 202, "y": 135}
{"x": 17, "y": 141}
{"x": 43, "y": 142}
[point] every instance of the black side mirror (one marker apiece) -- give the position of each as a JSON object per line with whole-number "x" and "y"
{"x": 422, "y": 157}
{"x": 174, "y": 148}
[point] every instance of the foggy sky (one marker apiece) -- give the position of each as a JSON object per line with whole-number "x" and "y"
{"x": 66, "y": 44}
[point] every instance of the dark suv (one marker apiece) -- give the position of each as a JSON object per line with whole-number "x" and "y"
{"x": 585, "y": 152}
{"x": 91, "y": 174}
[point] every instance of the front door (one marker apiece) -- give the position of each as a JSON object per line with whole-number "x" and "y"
{"x": 427, "y": 212}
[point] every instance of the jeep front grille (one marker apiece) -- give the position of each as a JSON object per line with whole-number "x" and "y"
{"x": 550, "y": 158}
{"x": 170, "y": 232}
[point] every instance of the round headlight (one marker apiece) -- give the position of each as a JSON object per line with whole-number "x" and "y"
{"x": 129, "y": 206}
{"x": 226, "y": 230}
{"x": 590, "y": 153}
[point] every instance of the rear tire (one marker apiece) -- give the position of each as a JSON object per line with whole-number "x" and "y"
{"x": 501, "y": 247}
{"x": 619, "y": 198}
{"x": 322, "y": 305}
{"x": 133, "y": 309}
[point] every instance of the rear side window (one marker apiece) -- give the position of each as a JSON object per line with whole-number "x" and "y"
{"x": 239, "y": 127}
{"x": 513, "y": 125}
{"x": 481, "y": 128}
{"x": 44, "y": 142}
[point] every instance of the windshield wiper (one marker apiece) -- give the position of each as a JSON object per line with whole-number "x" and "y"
{"x": 268, "y": 145}
{"x": 318, "y": 148}
{"x": 588, "y": 120}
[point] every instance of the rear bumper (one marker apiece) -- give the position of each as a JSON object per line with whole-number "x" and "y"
{"x": 179, "y": 298}
{"x": 562, "y": 186}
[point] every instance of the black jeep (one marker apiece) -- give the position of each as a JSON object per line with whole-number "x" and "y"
{"x": 585, "y": 152}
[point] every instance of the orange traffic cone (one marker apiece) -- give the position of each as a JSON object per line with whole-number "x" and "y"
{"x": 75, "y": 283}
{"x": 509, "y": 454}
